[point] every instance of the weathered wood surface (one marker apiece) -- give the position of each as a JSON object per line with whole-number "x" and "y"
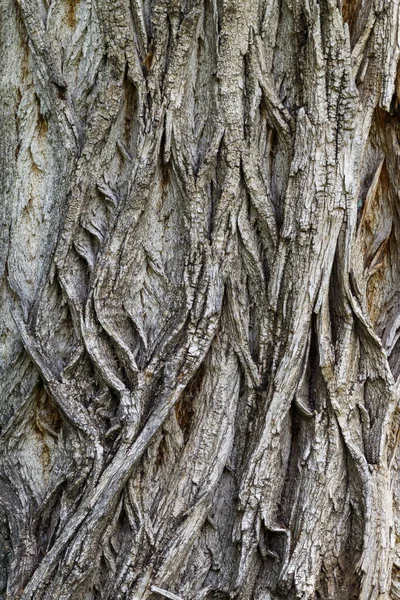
{"x": 200, "y": 299}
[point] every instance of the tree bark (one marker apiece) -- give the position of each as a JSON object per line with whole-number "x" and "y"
{"x": 200, "y": 299}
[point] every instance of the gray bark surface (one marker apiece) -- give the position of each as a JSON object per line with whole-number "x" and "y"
{"x": 200, "y": 299}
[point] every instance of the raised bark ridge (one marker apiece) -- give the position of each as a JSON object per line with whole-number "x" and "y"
{"x": 200, "y": 283}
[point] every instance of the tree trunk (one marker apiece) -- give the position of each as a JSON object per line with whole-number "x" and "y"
{"x": 200, "y": 299}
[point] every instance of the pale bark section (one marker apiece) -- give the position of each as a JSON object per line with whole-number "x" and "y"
{"x": 200, "y": 299}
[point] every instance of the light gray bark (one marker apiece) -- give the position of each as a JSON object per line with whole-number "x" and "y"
{"x": 200, "y": 299}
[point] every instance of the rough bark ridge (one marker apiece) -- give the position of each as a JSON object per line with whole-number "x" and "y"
{"x": 200, "y": 299}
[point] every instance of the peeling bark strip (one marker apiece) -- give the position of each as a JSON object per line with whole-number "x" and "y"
{"x": 200, "y": 299}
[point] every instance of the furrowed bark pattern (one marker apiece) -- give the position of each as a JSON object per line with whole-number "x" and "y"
{"x": 200, "y": 284}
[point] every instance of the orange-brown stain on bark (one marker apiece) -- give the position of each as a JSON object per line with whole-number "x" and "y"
{"x": 148, "y": 61}
{"x": 37, "y": 171}
{"x": 43, "y": 126}
{"x": 350, "y": 10}
{"x": 71, "y": 12}
{"x": 47, "y": 422}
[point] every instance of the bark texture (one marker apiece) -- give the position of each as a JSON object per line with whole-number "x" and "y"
{"x": 200, "y": 299}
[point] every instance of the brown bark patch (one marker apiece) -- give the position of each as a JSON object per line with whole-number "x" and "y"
{"x": 47, "y": 423}
{"x": 47, "y": 418}
{"x": 374, "y": 292}
{"x": 25, "y": 64}
{"x": 148, "y": 61}
{"x": 377, "y": 236}
{"x": 184, "y": 415}
{"x": 71, "y": 12}
{"x": 43, "y": 126}
{"x": 164, "y": 176}
{"x": 349, "y": 11}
